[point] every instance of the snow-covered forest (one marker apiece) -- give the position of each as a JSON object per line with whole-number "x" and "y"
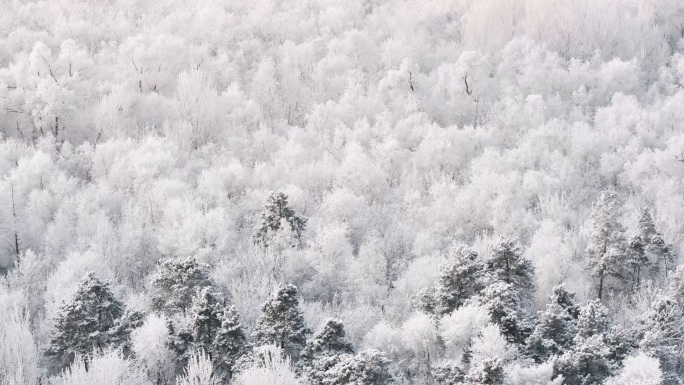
{"x": 341, "y": 192}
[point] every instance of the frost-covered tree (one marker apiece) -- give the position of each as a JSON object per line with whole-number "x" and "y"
{"x": 606, "y": 253}
{"x": 656, "y": 251}
{"x": 637, "y": 259}
{"x": 230, "y": 343}
{"x": 267, "y": 365}
{"x": 85, "y": 323}
{"x": 330, "y": 340}
{"x": 279, "y": 221}
{"x": 123, "y": 329}
{"x": 448, "y": 374}
{"x": 109, "y": 368}
{"x": 596, "y": 352}
{"x": 506, "y": 264}
{"x": 175, "y": 284}
{"x": 459, "y": 279}
{"x": 281, "y": 322}
{"x": 663, "y": 337}
{"x": 207, "y": 313}
{"x": 199, "y": 371}
{"x": 369, "y": 367}
{"x": 488, "y": 372}
{"x": 556, "y": 327}
{"x": 505, "y": 308}
{"x": 638, "y": 370}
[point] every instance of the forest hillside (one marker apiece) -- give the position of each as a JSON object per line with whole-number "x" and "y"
{"x": 341, "y": 192}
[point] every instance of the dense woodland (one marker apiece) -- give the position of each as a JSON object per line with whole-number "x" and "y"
{"x": 338, "y": 192}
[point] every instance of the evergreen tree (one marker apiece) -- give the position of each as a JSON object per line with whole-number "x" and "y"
{"x": 85, "y": 323}
{"x": 596, "y": 353}
{"x": 425, "y": 301}
{"x": 215, "y": 330}
{"x": 587, "y": 363}
{"x": 120, "y": 334}
{"x": 606, "y": 253}
{"x": 180, "y": 343}
{"x": 278, "y": 219}
{"x": 175, "y": 284}
{"x": 676, "y": 287}
{"x": 656, "y": 251}
{"x": 593, "y": 320}
{"x": 281, "y": 322}
{"x": 230, "y": 344}
{"x": 505, "y": 308}
{"x": 330, "y": 340}
{"x": 663, "y": 337}
{"x": 506, "y": 264}
{"x": 663, "y": 257}
{"x": 207, "y": 315}
{"x": 370, "y": 367}
{"x": 556, "y": 327}
{"x": 322, "y": 350}
{"x": 566, "y": 300}
{"x": 458, "y": 280}
{"x": 637, "y": 258}
{"x": 448, "y": 374}
{"x": 488, "y": 372}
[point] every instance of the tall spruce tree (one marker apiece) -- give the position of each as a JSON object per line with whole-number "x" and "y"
{"x": 281, "y": 322}
{"x": 606, "y": 253}
{"x": 279, "y": 220}
{"x": 175, "y": 284}
{"x": 84, "y": 323}
{"x": 459, "y": 279}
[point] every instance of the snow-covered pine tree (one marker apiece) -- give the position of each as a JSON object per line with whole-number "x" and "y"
{"x": 207, "y": 314}
{"x": 459, "y": 279}
{"x": 556, "y": 327}
{"x": 662, "y": 332}
{"x": 278, "y": 219}
{"x": 663, "y": 257}
{"x": 230, "y": 344}
{"x": 175, "y": 284}
{"x": 120, "y": 334}
{"x": 606, "y": 253}
{"x": 84, "y": 323}
{"x": 676, "y": 286}
{"x": 281, "y": 322}
{"x": 596, "y": 352}
{"x": 593, "y": 320}
{"x": 449, "y": 373}
{"x": 657, "y": 252}
{"x": 505, "y": 308}
{"x": 322, "y": 351}
{"x": 330, "y": 340}
{"x": 506, "y": 264}
{"x": 370, "y": 367}
{"x": 566, "y": 300}
{"x": 488, "y": 372}
{"x": 637, "y": 258}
